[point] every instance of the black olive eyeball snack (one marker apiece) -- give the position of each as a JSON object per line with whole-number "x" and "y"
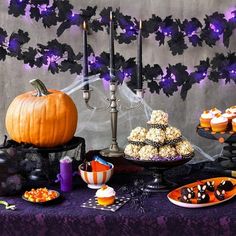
{"x": 202, "y": 197}
{"x": 201, "y": 188}
{"x": 226, "y": 185}
{"x": 187, "y": 191}
{"x": 220, "y": 194}
{"x": 210, "y": 186}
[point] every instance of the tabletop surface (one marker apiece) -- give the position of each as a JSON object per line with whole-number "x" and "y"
{"x": 160, "y": 215}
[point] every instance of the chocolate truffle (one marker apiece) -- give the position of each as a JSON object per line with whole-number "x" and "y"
{"x": 185, "y": 198}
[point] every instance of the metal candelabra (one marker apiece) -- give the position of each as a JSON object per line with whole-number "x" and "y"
{"x": 113, "y": 103}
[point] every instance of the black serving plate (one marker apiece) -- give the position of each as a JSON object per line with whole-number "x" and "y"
{"x": 53, "y": 201}
{"x": 228, "y": 136}
{"x": 158, "y": 183}
{"x": 158, "y": 164}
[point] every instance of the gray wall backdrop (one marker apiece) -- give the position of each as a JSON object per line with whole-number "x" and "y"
{"x": 184, "y": 114}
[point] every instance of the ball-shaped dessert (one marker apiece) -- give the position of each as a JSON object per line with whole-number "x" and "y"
{"x": 155, "y": 136}
{"x": 184, "y": 148}
{"x": 147, "y": 152}
{"x": 138, "y": 134}
{"x": 132, "y": 150}
{"x": 173, "y": 135}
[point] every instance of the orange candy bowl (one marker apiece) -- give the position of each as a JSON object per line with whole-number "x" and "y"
{"x": 95, "y": 180}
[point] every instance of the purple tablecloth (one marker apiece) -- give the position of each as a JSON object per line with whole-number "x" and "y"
{"x": 160, "y": 218}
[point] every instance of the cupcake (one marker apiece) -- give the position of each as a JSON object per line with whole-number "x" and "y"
{"x": 215, "y": 111}
{"x": 159, "y": 119}
{"x": 205, "y": 119}
{"x": 137, "y": 136}
{"x": 148, "y": 152}
{"x": 219, "y": 123}
{"x": 155, "y": 137}
{"x": 184, "y": 149}
{"x": 234, "y": 124}
{"x": 229, "y": 115}
{"x": 231, "y": 109}
{"x": 173, "y": 135}
{"x": 167, "y": 152}
{"x": 132, "y": 150}
{"x": 106, "y": 195}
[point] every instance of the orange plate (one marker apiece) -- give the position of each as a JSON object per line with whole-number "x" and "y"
{"x": 174, "y": 195}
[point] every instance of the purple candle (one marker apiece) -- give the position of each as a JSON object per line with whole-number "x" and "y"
{"x": 66, "y": 174}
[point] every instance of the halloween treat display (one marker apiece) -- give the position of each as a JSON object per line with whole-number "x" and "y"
{"x": 217, "y": 121}
{"x": 40, "y": 195}
{"x": 106, "y": 195}
{"x": 204, "y": 193}
{"x": 164, "y": 143}
{"x": 44, "y": 117}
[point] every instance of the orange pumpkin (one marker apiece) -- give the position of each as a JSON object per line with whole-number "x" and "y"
{"x": 44, "y": 118}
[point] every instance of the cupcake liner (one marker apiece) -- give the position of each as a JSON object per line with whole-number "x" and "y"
{"x": 174, "y": 141}
{"x": 138, "y": 143}
{"x": 157, "y": 126}
{"x": 171, "y": 158}
{"x": 152, "y": 143}
{"x": 190, "y": 155}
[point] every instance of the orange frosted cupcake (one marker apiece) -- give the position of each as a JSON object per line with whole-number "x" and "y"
{"x": 219, "y": 123}
{"x": 234, "y": 124}
{"x": 205, "y": 119}
{"x": 215, "y": 111}
{"x": 106, "y": 195}
{"x": 229, "y": 115}
{"x": 231, "y": 109}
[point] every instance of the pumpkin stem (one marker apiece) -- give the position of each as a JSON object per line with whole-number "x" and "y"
{"x": 39, "y": 87}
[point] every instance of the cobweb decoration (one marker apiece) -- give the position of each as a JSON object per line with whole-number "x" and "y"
{"x": 95, "y": 126}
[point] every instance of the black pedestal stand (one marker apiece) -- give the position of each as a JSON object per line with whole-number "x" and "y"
{"x": 158, "y": 183}
{"x": 228, "y": 158}
{"x": 44, "y": 173}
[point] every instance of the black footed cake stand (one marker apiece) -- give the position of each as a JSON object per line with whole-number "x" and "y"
{"x": 45, "y": 173}
{"x": 158, "y": 183}
{"x": 228, "y": 138}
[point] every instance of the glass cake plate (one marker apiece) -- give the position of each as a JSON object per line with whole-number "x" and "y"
{"x": 159, "y": 183}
